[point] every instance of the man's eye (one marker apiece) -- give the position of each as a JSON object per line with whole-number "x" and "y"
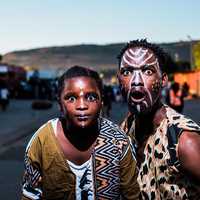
{"x": 148, "y": 72}
{"x": 125, "y": 72}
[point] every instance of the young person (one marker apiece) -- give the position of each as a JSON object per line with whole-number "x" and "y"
{"x": 79, "y": 155}
{"x": 168, "y": 143}
{"x": 176, "y": 98}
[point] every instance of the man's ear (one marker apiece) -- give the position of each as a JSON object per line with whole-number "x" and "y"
{"x": 118, "y": 76}
{"x": 164, "y": 80}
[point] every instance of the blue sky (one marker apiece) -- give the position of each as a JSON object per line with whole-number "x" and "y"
{"x": 34, "y": 23}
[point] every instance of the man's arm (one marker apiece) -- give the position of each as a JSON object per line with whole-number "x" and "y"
{"x": 189, "y": 153}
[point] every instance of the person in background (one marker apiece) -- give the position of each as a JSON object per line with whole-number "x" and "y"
{"x": 185, "y": 90}
{"x": 165, "y": 93}
{"x": 107, "y": 100}
{"x": 79, "y": 155}
{"x": 176, "y": 100}
{"x": 4, "y": 96}
{"x": 167, "y": 142}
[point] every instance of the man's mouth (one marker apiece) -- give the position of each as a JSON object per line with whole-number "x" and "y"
{"x": 137, "y": 96}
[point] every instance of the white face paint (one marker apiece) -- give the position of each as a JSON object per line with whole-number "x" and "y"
{"x": 137, "y": 67}
{"x": 139, "y": 58}
{"x": 81, "y": 86}
{"x": 138, "y": 78}
{"x": 138, "y": 55}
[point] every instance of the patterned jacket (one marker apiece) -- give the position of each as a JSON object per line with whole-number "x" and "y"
{"x": 48, "y": 176}
{"x": 160, "y": 175}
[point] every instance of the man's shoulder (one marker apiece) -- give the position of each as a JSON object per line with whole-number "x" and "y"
{"x": 181, "y": 121}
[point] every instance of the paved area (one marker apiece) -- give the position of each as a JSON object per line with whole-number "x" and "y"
{"x": 16, "y": 127}
{"x": 17, "y": 124}
{"x": 20, "y": 118}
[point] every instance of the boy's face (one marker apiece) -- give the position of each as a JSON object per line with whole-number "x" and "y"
{"x": 81, "y": 101}
{"x": 141, "y": 79}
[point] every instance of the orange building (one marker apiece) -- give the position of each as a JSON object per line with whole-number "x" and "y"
{"x": 191, "y": 78}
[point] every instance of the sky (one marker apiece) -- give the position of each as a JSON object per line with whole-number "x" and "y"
{"x": 27, "y": 24}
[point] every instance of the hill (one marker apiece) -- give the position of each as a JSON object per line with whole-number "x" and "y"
{"x": 96, "y": 56}
{"x": 100, "y": 57}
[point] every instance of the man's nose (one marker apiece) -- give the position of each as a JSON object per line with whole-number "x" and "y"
{"x": 137, "y": 79}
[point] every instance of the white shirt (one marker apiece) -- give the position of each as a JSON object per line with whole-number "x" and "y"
{"x": 83, "y": 173}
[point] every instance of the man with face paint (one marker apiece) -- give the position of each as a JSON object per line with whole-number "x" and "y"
{"x": 167, "y": 143}
{"x": 80, "y": 156}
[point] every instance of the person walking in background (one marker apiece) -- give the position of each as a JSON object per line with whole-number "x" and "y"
{"x": 167, "y": 142}
{"x": 80, "y": 155}
{"x": 185, "y": 90}
{"x": 107, "y": 100}
{"x": 176, "y": 99}
{"x": 4, "y": 96}
{"x": 165, "y": 93}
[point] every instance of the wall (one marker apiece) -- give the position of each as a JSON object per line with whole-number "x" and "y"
{"x": 191, "y": 78}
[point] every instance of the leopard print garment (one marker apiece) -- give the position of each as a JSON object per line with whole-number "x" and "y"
{"x": 160, "y": 176}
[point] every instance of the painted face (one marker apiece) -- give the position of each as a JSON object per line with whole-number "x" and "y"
{"x": 140, "y": 78}
{"x": 81, "y": 101}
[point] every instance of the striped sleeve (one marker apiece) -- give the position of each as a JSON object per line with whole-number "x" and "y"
{"x": 31, "y": 188}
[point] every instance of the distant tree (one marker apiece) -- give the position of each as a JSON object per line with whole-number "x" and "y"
{"x": 171, "y": 66}
{"x": 196, "y": 55}
{"x": 182, "y": 66}
{"x": 176, "y": 66}
{"x": 1, "y": 57}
